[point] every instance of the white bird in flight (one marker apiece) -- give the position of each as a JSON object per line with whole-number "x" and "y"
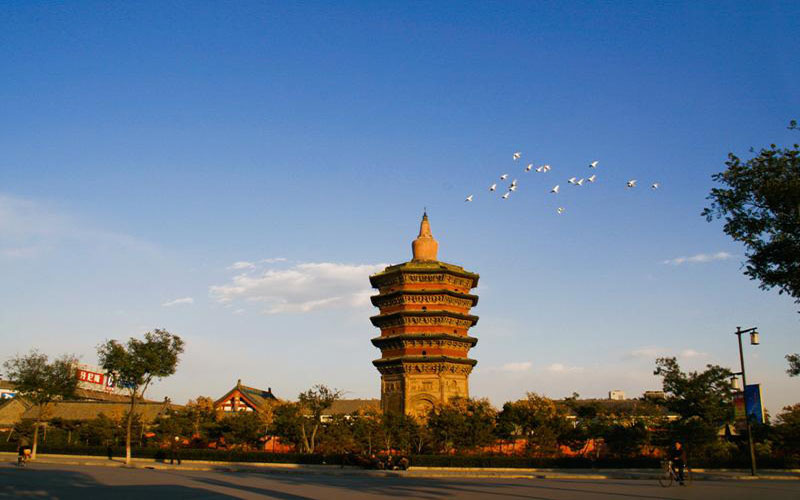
{"x": 560, "y": 210}
{"x": 593, "y": 164}
{"x": 513, "y": 187}
{"x": 572, "y": 180}
{"x": 505, "y": 196}
{"x": 540, "y": 169}
{"x": 469, "y": 198}
{"x": 555, "y": 189}
{"x": 514, "y": 182}
{"x": 504, "y": 177}
{"x": 517, "y": 155}
{"x": 579, "y": 182}
{"x": 632, "y": 183}
{"x": 655, "y": 185}
{"x": 492, "y": 187}
{"x": 546, "y": 168}
{"x": 592, "y": 178}
{"x": 529, "y": 167}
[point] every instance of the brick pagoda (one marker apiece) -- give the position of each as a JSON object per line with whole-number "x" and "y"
{"x": 424, "y": 319}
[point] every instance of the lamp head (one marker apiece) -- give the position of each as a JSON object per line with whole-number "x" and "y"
{"x": 754, "y": 338}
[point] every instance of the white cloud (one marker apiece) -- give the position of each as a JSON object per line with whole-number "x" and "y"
{"x": 242, "y": 264}
{"x": 301, "y": 288}
{"x": 651, "y": 353}
{"x": 273, "y": 260}
{"x": 30, "y": 228}
{"x": 521, "y": 366}
{"x": 691, "y": 353}
{"x": 647, "y": 352}
{"x": 176, "y": 302}
{"x": 699, "y": 258}
{"x": 562, "y": 368}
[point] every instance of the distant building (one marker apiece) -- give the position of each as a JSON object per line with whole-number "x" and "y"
{"x": 11, "y": 411}
{"x": 654, "y": 395}
{"x": 348, "y": 407}
{"x": 244, "y": 398}
{"x": 7, "y": 390}
{"x": 616, "y": 395}
{"x": 148, "y": 411}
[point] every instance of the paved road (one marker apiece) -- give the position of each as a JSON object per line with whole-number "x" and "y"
{"x": 81, "y": 482}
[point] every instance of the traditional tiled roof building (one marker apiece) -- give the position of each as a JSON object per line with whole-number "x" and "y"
{"x": 147, "y": 411}
{"x": 244, "y": 398}
{"x": 424, "y": 320}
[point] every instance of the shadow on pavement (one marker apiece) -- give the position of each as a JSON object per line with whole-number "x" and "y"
{"x": 29, "y": 482}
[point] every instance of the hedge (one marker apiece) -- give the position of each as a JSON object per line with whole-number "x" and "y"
{"x": 485, "y": 461}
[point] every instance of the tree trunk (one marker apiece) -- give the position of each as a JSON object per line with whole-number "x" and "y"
{"x": 305, "y": 439}
{"x": 35, "y": 439}
{"x": 128, "y": 430}
{"x": 36, "y": 432}
{"x": 313, "y": 436}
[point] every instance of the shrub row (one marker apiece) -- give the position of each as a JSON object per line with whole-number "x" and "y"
{"x": 485, "y": 461}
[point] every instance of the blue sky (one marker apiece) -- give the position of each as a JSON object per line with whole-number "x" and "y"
{"x": 148, "y": 147}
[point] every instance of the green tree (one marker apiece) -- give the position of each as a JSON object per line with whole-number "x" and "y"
{"x": 315, "y": 401}
{"x": 462, "y": 424}
{"x": 338, "y": 435}
{"x": 794, "y": 364}
{"x": 136, "y": 364}
{"x": 366, "y": 429}
{"x": 626, "y": 439}
{"x": 787, "y": 428}
{"x": 41, "y": 382}
{"x": 287, "y": 420}
{"x": 243, "y": 428}
{"x": 537, "y": 419}
{"x": 760, "y": 202}
{"x": 704, "y": 400}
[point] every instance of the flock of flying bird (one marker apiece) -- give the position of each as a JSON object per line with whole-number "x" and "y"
{"x": 546, "y": 168}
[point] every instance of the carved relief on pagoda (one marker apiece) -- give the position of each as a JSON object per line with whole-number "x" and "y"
{"x": 424, "y": 321}
{"x": 425, "y": 367}
{"x": 392, "y": 385}
{"x": 429, "y": 385}
{"x": 427, "y": 343}
{"x": 455, "y": 387}
{"x": 412, "y": 299}
{"x": 421, "y": 404}
{"x": 404, "y": 278}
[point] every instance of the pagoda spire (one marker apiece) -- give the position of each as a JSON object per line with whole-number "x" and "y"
{"x": 425, "y": 247}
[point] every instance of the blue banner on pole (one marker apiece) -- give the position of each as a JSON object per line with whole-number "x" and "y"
{"x": 752, "y": 403}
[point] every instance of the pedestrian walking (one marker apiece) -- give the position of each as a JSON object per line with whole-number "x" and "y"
{"x": 175, "y": 451}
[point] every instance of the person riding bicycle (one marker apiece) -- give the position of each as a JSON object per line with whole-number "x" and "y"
{"x": 23, "y": 450}
{"x": 677, "y": 456}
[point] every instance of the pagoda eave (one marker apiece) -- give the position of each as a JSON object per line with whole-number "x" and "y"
{"x": 381, "y": 342}
{"x": 421, "y": 317}
{"x": 424, "y": 359}
{"x": 380, "y": 299}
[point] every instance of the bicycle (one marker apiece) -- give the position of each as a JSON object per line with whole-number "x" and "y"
{"x": 670, "y": 475}
{"x": 24, "y": 457}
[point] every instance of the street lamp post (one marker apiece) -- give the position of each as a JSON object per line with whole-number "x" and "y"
{"x": 753, "y": 341}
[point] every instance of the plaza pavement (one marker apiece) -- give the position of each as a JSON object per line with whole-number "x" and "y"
{"x": 413, "y": 472}
{"x": 46, "y": 479}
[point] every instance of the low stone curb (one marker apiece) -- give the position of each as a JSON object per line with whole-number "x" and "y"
{"x": 413, "y": 472}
